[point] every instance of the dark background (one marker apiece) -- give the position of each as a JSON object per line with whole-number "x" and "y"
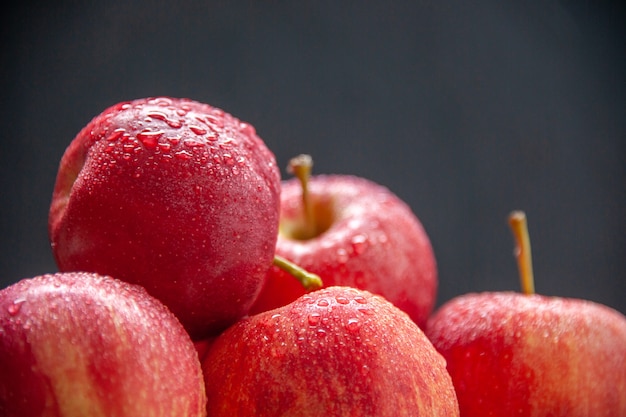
{"x": 465, "y": 111}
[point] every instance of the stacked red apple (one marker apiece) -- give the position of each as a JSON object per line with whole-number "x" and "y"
{"x": 164, "y": 224}
{"x": 189, "y": 285}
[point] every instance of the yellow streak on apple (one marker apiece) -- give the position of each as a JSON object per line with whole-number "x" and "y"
{"x": 66, "y": 366}
{"x": 180, "y": 406}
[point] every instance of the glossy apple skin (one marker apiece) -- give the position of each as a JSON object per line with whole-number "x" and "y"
{"x": 79, "y": 344}
{"x": 336, "y": 352}
{"x": 373, "y": 241}
{"x": 175, "y": 195}
{"x": 531, "y": 355}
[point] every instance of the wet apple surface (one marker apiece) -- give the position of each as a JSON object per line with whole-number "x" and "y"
{"x": 189, "y": 285}
{"x": 175, "y": 195}
{"x": 351, "y": 231}
{"x": 338, "y": 351}
{"x": 78, "y": 344}
{"x": 526, "y": 354}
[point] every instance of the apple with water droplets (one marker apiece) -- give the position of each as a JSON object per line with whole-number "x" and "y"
{"x": 338, "y": 351}
{"x": 525, "y": 354}
{"x": 353, "y": 232}
{"x": 82, "y": 344}
{"x": 175, "y": 195}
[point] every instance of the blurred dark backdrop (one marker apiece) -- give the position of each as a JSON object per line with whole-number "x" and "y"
{"x": 465, "y": 111}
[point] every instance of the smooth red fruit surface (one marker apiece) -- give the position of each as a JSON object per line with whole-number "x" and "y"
{"x": 336, "y": 352}
{"x": 529, "y": 355}
{"x": 175, "y": 195}
{"x": 79, "y": 344}
{"x": 367, "y": 238}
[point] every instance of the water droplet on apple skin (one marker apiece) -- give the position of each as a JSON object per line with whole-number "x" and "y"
{"x": 353, "y": 325}
{"x": 360, "y": 299}
{"x": 342, "y": 256}
{"x": 14, "y": 308}
{"x": 160, "y": 101}
{"x": 342, "y": 300}
{"x": 308, "y": 299}
{"x": 228, "y": 159}
{"x": 175, "y": 124}
{"x": 359, "y": 243}
{"x": 149, "y": 138}
{"x": 193, "y": 143}
{"x": 215, "y": 120}
{"x": 164, "y": 146}
{"x": 183, "y": 155}
{"x": 247, "y": 129}
{"x": 116, "y": 135}
{"x": 200, "y": 131}
{"x": 365, "y": 311}
{"x": 323, "y": 303}
{"x": 314, "y": 319}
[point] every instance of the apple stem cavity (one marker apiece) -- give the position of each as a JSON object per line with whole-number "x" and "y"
{"x": 301, "y": 167}
{"x": 309, "y": 280}
{"x": 519, "y": 226}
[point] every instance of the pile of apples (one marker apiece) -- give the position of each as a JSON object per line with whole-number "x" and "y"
{"x": 193, "y": 281}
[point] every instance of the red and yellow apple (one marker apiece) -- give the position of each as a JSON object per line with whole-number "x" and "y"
{"x": 351, "y": 232}
{"x": 81, "y": 344}
{"x": 338, "y": 351}
{"x": 524, "y": 354}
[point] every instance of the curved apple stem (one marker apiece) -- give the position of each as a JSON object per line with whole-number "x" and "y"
{"x": 519, "y": 226}
{"x": 301, "y": 167}
{"x": 309, "y": 280}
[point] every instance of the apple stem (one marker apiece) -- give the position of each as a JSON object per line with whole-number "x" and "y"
{"x": 309, "y": 280}
{"x": 519, "y": 226}
{"x": 301, "y": 167}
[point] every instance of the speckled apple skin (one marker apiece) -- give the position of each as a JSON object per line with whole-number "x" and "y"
{"x": 375, "y": 242}
{"x": 79, "y": 344}
{"x": 175, "y": 195}
{"x": 335, "y": 352}
{"x": 531, "y": 355}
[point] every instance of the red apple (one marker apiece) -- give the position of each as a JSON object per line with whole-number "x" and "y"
{"x": 80, "y": 344}
{"x": 335, "y": 352}
{"x": 203, "y": 346}
{"x": 351, "y": 232}
{"x": 523, "y": 354}
{"x": 175, "y": 195}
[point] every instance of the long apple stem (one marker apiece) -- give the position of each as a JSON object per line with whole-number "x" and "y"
{"x": 519, "y": 226}
{"x": 301, "y": 167}
{"x": 309, "y": 280}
